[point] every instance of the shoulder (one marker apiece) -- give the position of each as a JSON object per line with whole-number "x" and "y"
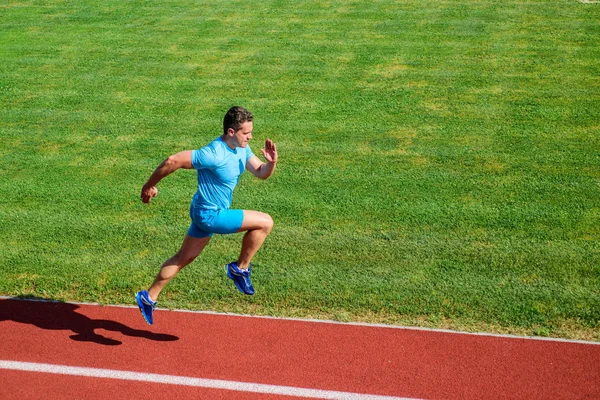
{"x": 218, "y": 146}
{"x": 208, "y": 155}
{"x": 215, "y": 147}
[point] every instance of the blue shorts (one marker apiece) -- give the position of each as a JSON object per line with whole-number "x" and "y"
{"x": 207, "y": 222}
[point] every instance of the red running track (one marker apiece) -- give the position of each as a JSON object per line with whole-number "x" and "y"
{"x": 328, "y": 357}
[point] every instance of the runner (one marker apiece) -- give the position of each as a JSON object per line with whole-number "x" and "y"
{"x": 219, "y": 166}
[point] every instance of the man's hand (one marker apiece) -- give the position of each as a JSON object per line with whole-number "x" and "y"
{"x": 148, "y": 192}
{"x": 270, "y": 151}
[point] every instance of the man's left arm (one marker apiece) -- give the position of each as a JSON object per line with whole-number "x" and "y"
{"x": 261, "y": 169}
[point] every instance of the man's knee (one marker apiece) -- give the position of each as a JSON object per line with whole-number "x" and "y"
{"x": 183, "y": 259}
{"x": 257, "y": 221}
{"x": 268, "y": 223}
{"x": 264, "y": 223}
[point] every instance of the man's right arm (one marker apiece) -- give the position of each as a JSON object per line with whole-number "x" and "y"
{"x": 171, "y": 164}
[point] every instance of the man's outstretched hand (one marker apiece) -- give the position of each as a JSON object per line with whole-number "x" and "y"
{"x": 270, "y": 151}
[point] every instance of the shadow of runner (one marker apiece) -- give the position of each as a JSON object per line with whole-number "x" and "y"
{"x": 62, "y": 316}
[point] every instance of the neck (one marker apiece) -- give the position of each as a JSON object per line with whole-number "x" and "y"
{"x": 229, "y": 141}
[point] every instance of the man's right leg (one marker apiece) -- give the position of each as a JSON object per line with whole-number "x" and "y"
{"x": 190, "y": 249}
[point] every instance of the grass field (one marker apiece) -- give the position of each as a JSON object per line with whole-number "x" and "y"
{"x": 439, "y": 161}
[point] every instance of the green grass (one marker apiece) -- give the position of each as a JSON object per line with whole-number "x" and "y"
{"x": 439, "y": 161}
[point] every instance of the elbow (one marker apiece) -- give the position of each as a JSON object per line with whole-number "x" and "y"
{"x": 264, "y": 175}
{"x": 171, "y": 163}
{"x": 260, "y": 173}
{"x": 265, "y": 171}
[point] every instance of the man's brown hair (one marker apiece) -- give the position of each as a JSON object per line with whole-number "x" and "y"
{"x": 235, "y": 117}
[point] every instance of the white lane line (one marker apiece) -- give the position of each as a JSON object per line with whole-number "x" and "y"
{"x": 321, "y": 321}
{"x": 190, "y": 381}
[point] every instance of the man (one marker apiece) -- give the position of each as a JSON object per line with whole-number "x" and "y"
{"x": 219, "y": 166}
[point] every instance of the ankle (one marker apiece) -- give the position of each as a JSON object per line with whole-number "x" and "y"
{"x": 152, "y": 297}
{"x": 243, "y": 265}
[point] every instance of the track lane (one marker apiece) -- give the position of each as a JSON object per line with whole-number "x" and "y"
{"x": 326, "y": 356}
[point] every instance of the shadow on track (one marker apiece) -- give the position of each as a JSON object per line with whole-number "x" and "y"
{"x": 53, "y": 315}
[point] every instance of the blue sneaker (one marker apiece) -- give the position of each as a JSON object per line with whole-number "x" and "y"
{"x": 241, "y": 277}
{"x": 146, "y": 305}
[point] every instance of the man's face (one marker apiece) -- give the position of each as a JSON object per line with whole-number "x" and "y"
{"x": 243, "y": 135}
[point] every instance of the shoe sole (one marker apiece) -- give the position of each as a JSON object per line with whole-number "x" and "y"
{"x": 237, "y": 285}
{"x": 141, "y": 307}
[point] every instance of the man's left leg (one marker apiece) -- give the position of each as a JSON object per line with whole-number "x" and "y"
{"x": 257, "y": 226}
